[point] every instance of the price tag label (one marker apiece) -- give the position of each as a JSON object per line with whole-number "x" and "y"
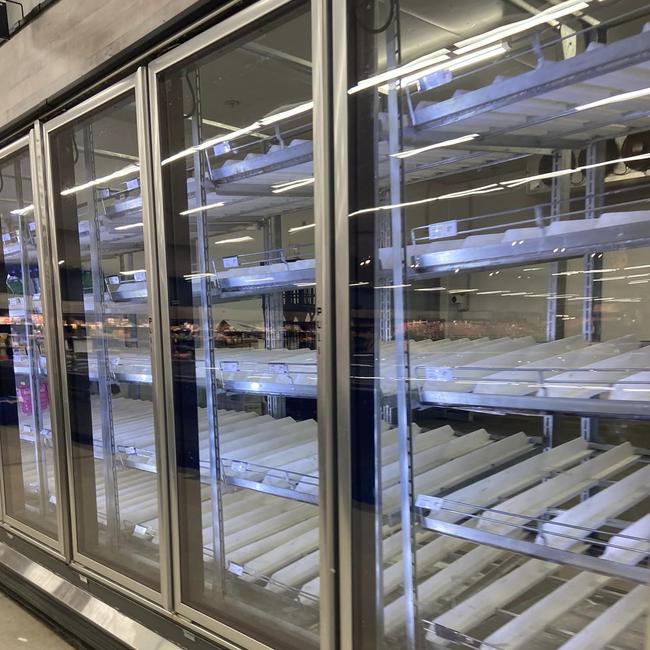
{"x": 32, "y": 226}
{"x": 113, "y": 279}
{"x": 27, "y": 428}
{"x": 231, "y": 262}
{"x": 140, "y": 531}
{"x": 236, "y": 569}
{"x": 429, "y": 503}
{"x": 221, "y": 148}
{"x": 52, "y": 499}
{"x": 140, "y": 276}
{"x": 278, "y": 368}
{"x": 14, "y": 302}
{"x": 239, "y": 466}
{"x": 439, "y": 374}
{"x": 229, "y": 366}
{"x": 6, "y": 236}
{"x": 443, "y": 229}
{"x": 133, "y": 184}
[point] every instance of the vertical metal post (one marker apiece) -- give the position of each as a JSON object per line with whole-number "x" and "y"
{"x": 207, "y": 330}
{"x": 101, "y": 349}
{"x": 274, "y": 311}
{"x": 593, "y": 262}
{"x": 401, "y": 359}
{"x": 560, "y": 197}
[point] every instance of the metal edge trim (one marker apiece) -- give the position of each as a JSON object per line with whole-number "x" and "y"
{"x": 46, "y": 266}
{"x": 102, "y": 615}
{"x": 15, "y": 528}
{"x": 342, "y": 308}
{"x": 325, "y": 315}
{"x": 15, "y": 146}
{"x": 216, "y": 33}
{"x": 90, "y": 104}
{"x": 151, "y": 262}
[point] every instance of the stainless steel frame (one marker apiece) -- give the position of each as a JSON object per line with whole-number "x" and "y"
{"x": 59, "y": 546}
{"x": 207, "y": 39}
{"x": 134, "y": 84}
{"x": 342, "y": 308}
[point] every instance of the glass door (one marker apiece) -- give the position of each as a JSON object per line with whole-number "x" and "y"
{"x": 29, "y": 444}
{"x": 98, "y": 190}
{"x": 496, "y": 276}
{"x": 237, "y": 180}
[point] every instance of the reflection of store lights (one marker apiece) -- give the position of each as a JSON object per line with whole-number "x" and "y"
{"x": 202, "y": 208}
{"x": 615, "y": 99}
{"x": 130, "y": 226}
{"x": 246, "y": 130}
{"x": 505, "y": 31}
{"x": 120, "y": 173}
{"x": 234, "y": 240}
{"x": 437, "y": 145}
{"x": 21, "y": 212}
{"x": 307, "y": 226}
{"x": 135, "y": 272}
{"x": 291, "y": 185}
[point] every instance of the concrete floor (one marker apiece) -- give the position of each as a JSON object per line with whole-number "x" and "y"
{"x": 20, "y": 630}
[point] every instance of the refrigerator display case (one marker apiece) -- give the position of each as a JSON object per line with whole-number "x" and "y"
{"x": 29, "y": 450}
{"x": 103, "y": 253}
{"x": 495, "y": 239}
{"x": 236, "y": 198}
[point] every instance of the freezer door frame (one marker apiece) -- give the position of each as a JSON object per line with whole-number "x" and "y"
{"x": 136, "y": 84}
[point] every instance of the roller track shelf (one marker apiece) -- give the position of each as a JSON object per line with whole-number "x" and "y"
{"x": 520, "y": 246}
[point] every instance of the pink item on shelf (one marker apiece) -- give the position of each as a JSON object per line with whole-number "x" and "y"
{"x": 25, "y": 398}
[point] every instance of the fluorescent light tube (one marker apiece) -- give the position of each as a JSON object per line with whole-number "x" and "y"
{"x": 234, "y": 240}
{"x": 423, "y": 62}
{"x": 537, "y": 177}
{"x": 432, "y": 289}
{"x": 201, "y": 208}
{"x": 292, "y": 186}
{"x": 21, "y": 212}
{"x": 615, "y": 99}
{"x": 120, "y": 173}
{"x": 135, "y": 272}
{"x": 130, "y": 226}
{"x": 307, "y": 226}
{"x": 505, "y": 31}
{"x": 437, "y": 145}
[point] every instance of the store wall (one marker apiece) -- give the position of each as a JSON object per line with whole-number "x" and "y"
{"x": 70, "y": 41}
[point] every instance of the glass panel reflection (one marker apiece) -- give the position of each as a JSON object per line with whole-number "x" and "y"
{"x": 498, "y": 268}
{"x": 106, "y": 312}
{"x": 237, "y": 150}
{"x": 27, "y": 445}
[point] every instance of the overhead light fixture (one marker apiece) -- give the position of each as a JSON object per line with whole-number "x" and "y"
{"x": 21, "y": 212}
{"x": 505, "y": 31}
{"x": 135, "y": 272}
{"x": 420, "y": 63}
{"x": 305, "y": 284}
{"x": 462, "y": 290}
{"x": 234, "y": 240}
{"x": 431, "y": 289}
{"x": 120, "y": 173}
{"x": 201, "y": 208}
{"x": 284, "y": 115}
{"x": 437, "y": 145}
{"x": 615, "y": 99}
{"x": 291, "y": 185}
{"x": 307, "y": 226}
{"x": 130, "y": 226}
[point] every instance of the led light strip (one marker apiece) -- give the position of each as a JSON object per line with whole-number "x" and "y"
{"x": 437, "y": 145}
